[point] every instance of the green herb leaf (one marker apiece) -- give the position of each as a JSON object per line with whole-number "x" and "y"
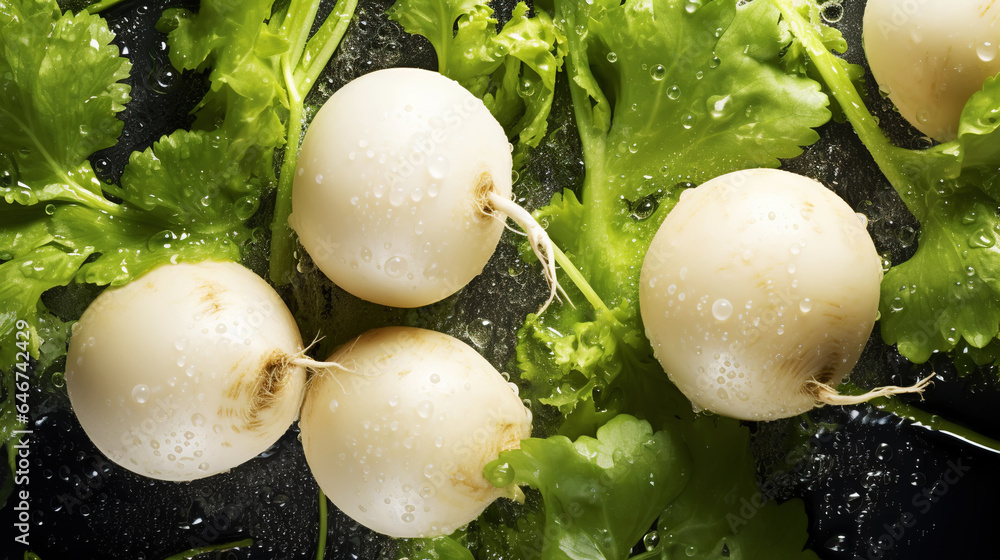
{"x": 512, "y": 70}
{"x": 721, "y": 513}
{"x": 665, "y": 98}
{"x": 247, "y": 96}
{"x": 50, "y": 119}
{"x": 600, "y": 494}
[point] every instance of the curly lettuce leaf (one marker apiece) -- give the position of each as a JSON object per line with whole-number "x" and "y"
{"x": 247, "y": 99}
{"x": 513, "y": 70}
{"x": 262, "y": 58}
{"x": 60, "y": 92}
{"x": 945, "y": 295}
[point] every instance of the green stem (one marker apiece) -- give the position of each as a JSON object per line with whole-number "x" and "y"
{"x": 282, "y": 241}
{"x": 833, "y": 72}
{"x": 581, "y": 283}
{"x": 296, "y": 26}
{"x": 102, "y": 5}
{"x": 299, "y": 79}
{"x": 321, "y": 544}
{"x": 926, "y": 420}
{"x": 189, "y": 554}
{"x": 321, "y": 47}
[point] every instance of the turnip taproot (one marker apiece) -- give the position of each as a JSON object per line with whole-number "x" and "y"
{"x": 402, "y": 189}
{"x": 930, "y": 56}
{"x": 398, "y": 437}
{"x": 759, "y": 292}
{"x": 187, "y": 371}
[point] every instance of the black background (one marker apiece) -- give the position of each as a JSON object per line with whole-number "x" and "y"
{"x": 859, "y": 481}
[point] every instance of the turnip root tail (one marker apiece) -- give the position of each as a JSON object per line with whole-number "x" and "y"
{"x": 314, "y": 365}
{"x": 828, "y": 395}
{"x": 541, "y": 244}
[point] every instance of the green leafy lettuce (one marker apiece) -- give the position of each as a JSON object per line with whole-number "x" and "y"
{"x": 262, "y": 60}
{"x": 666, "y": 94}
{"x": 513, "y": 69}
{"x": 943, "y": 299}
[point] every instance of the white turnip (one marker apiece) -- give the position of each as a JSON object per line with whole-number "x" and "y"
{"x": 930, "y": 56}
{"x": 187, "y": 371}
{"x": 402, "y": 189}
{"x": 399, "y": 435}
{"x": 759, "y": 292}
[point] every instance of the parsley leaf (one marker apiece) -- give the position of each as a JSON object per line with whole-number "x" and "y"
{"x": 51, "y": 120}
{"x": 513, "y": 70}
{"x": 601, "y": 494}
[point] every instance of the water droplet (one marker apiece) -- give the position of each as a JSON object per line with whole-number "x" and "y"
{"x": 480, "y": 332}
{"x": 722, "y": 309}
{"x": 333, "y": 405}
{"x": 720, "y": 107}
{"x": 197, "y": 420}
{"x": 645, "y": 207}
{"x": 806, "y": 305}
{"x": 395, "y": 267}
{"x": 246, "y": 207}
{"x": 832, "y": 12}
{"x": 987, "y": 51}
{"x": 674, "y": 92}
{"x": 657, "y": 72}
{"x": 863, "y": 219}
{"x": 612, "y": 57}
{"x": 982, "y": 239}
{"x": 437, "y": 166}
{"x": 140, "y": 393}
{"x": 425, "y": 409}
{"x": 651, "y": 540}
{"x": 161, "y": 240}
